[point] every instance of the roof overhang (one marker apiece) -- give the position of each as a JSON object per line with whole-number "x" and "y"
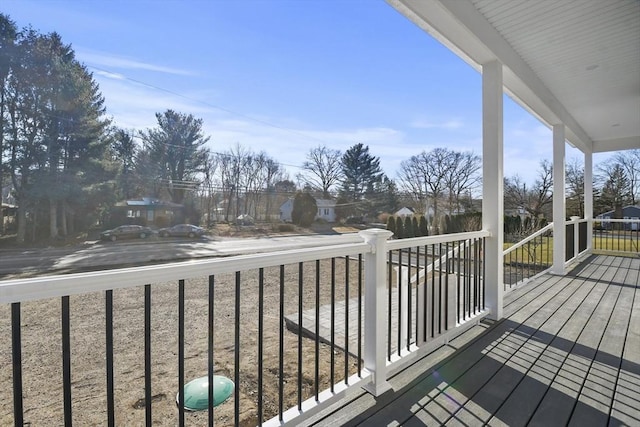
{"x": 576, "y": 64}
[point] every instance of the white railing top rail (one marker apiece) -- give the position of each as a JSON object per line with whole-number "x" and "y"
{"x": 523, "y": 242}
{"x": 574, "y": 220}
{"x": 19, "y": 290}
{"x": 434, "y": 240}
{"x": 615, "y": 220}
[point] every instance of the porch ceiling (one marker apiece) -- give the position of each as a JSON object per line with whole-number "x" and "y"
{"x": 571, "y": 62}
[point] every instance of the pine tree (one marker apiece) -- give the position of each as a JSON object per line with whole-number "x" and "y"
{"x": 176, "y": 152}
{"x": 360, "y": 172}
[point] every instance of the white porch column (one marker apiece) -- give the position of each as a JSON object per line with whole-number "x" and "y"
{"x": 558, "y": 200}
{"x": 588, "y": 198}
{"x": 493, "y": 185}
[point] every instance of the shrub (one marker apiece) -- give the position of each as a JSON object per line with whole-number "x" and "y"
{"x": 304, "y": 209}
{"x": 391, "y": 224}
{"x": 286, "y": 227}
{"x": 400, "y": 228}
{"x": 422, "y": 226}
{"x": 408, "y": 227}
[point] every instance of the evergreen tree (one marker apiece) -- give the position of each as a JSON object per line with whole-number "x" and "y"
{"x": 54, "y": 135}
{"x": 304, "y": 209}
{"x": 176, "y": 152}
{"x": 408, "y": 227}
{"x": 391, "y": 224}
{"x": 360, "y": 173}
{"x": 400, "y": 228}
{"x": 424, "y": 231}
{"x": 616, "y": 191}
{"x": 385, "y": 196}
{"x": 8, "y": 34}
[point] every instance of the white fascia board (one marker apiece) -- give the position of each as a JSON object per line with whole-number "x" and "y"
{"x": 619, "y": 144}
{"x": 463, "y": 30}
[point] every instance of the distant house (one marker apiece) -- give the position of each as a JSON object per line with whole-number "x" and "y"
{"x": 326, "y": 210}
{"x": 149, "y": 211}
{"x": 405, "y": 211}
{"x": 628, "y": 212}
{"x": 285, "y": 210}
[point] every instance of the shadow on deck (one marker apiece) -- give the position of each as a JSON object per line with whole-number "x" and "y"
{"x": 566, "y": 353}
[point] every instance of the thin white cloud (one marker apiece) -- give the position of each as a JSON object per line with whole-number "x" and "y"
{"x": 437, "y": 124}
{"x": 109, "y": 75}
{"x": 102, "y": 59}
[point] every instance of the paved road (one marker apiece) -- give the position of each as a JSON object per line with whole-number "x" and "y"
{"x": 98, "y": 255}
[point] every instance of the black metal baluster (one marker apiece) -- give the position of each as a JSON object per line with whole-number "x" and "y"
{"x": 317, "y": 334}
{"x": 408, "y": 298}
{"x": 66, "y": 360}
{"x": 468, "y": 275}
{"x": 16, "y": 359}
{"x": 425, "y": 297}
{"x": 460, "y": 295}
{"x": 446, "y": 287}
{"x": 281, "y": 348}
{"x": 484, "y": 271}
{"x": 181, "y": 352}
{"x": 360, "y": 315}
{"x": 476, "y": 287}
{"x": 260, "y": 340}
{"x": 417, "y": 293}
{"x": 333, "y": 320}
{"x": 433, "y": 290}
{"x": 439, "y": 288}
{"x": 399, "y": 331}
{"x": 236, "y": 364}
{"x": 389, "y": 289}
{"x": 210, "y": 367}
{"x": 147, "y": 355}
{"x": 109, "y": 357}
{"x": 346, "y": 322}
{"x": 300, "y": 308}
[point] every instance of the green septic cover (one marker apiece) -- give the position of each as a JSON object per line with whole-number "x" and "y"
{"x": 196, "y": 392}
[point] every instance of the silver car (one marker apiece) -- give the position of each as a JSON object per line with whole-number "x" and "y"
{"x": 182, "y": 230}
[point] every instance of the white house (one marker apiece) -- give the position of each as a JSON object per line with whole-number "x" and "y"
{"x": 285, "y": 210}
{"x": 326, "y": 210}
{"x": 405, "y": 211}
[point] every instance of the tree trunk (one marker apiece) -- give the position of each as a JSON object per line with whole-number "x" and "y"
{"x": 64, "y": 217}
{"x": 22, "y": 224}
{"x": 53, "y": 219}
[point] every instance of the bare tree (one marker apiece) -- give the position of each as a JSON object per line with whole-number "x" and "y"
{"x": 463, "y": 176}
{"x": 535, "y": 199}
{"x": 630, "y": 163}
{"x": 427, "y": 177}
{"x": 574, "y": 180}
{"x": 323, "y": 169}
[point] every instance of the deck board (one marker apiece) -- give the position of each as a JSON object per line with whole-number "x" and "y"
{"x": 567, "y": 352}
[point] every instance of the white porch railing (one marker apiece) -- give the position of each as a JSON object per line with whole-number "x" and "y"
{"x": 528, "y": 258}
{"x": 533, "y": 255}
{"x": 232, "y": 322}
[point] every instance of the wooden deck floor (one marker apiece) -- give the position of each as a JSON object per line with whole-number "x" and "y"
{"x": 566, "y": 353}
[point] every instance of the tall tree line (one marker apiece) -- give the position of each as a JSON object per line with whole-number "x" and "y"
{"x": 53, "y": 144}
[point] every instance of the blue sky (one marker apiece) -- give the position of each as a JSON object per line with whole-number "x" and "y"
{"x": 284, "y": 76}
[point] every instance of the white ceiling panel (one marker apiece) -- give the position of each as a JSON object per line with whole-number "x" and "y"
{"x": 575, "y": 62}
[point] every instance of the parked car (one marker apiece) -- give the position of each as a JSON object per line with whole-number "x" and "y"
{"x": 183, "y": 230}
{"x": 126, "y": 232}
